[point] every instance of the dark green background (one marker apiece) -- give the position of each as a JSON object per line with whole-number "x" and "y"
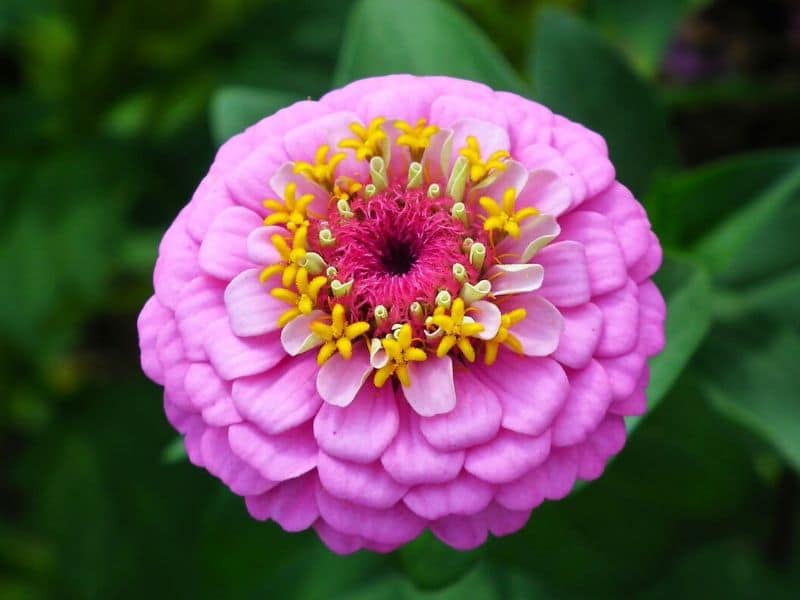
{"x": 110, "y": 113}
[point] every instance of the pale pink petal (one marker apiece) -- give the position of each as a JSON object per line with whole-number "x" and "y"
{"x": 488, "y": 315}
{"x": 248, "y": 180}
{"x": 296, "y": 335}
{"x": 531, "y": 391}
{"x": 540, "y": 330}
{"x": 515, "y": 279}
{"x": 472, "y": 117}
{"x": 234, "y": 357}
{"x": 339, "y": 380}
{"x": 292, "y": 504}
{"x": 583, "y": 326}
{"x": 431, "y": 391}
{"x": 150, "y": 321}
{"x": 364, "y": 484}
{"x": 607, "y": 270}
{"x": 436, "y": 158}
{"x": 474, "y": 420}
{"x": 566, "y": 274}
{"x": 462, "y": 532}
{"x": 535, "y": 234}
{"x": 587, "y": 403}
{"x": 280, "y": 399}
{"x": 223, "y": 252}
{"x": 260, "y": 248}
{"x": 464, "y": 495}
{"x": 602, "y": 444}
{"x": 411, "y": 460}
{"x": 514, "y": 176}
{"x": 276, "y": 457}
{"x": 286, "y": 175}
{"x": 221, "y": 462}
{"x": 547, "y": 192}
{"x": 407, "y": 101}
{"x": 620, "y": 310}
{"x": 200, "y": 303}
{"x": 508, "y": 456}
{"x": 395, "y": 526}
{"x": 361, "y": 431}
{"x": 251, "y": 308}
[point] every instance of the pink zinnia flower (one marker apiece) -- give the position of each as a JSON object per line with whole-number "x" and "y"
{"x": 414, "y": 303}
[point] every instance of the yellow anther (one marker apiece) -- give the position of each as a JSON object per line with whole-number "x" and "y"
{"x": 322, "y": 171}
{"x": 505, "y": 218}
{"x": 338, "y": 335}
{"x": 293, "y": 258}
{"x": 292, "y": 213}
{"x": 416, "y": 137}
{"x": 302, "y": 301}
{"x": 400, "y": 351}
{"x": 504, "y": 337}
{"x": 457, "y": 328}
{"x": 345, "y": 188}
{"x": 368, "y": 139}
{"x": 478, "y": 168}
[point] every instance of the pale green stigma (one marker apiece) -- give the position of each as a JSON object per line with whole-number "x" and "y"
{"x": 472, "y": 293}
{"x": 370, "y": 190}
{"x": 477, "y": 254}
{"x": 458, "y": 179}
{"x": 415, "y": 310}
{"x": 339, "y": 289}
{"x": 343, "y": 206}
{"x": 467, "y": 244}
{"x": 331, "y": 272}
{"x": 459, "y": 211}
{"x": 377, "y": 172}
{"x": 381, "y": 314}
{"x": 444, "y": 299}
{"x": 434, "y": 190}
{"x": 460, "y": 272}
{"x": 414, "y": 175}
{"x": 326, "y": 238}
{"x": 314, "y": 263}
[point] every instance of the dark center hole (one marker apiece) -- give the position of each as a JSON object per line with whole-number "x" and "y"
{"x": 398, "y": 256}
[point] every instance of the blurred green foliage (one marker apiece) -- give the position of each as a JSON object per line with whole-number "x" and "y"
{"x": 110, "y": 114}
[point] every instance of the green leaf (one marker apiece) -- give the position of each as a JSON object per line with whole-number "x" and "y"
{"x": 687, "y": 291}
{"x": 641, "y": 29}
{"x": 233, "y": 109}
{"x": 732, "y": 240}
{"x": 422, "y": 37}
{"x": 685, "y": 206}
{"x": 749, "y": 373}
{"x": 430, "y": 564}
{"x": 578, "y": 74}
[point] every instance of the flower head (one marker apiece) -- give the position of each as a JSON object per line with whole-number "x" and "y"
{"x": 445, "y": 306}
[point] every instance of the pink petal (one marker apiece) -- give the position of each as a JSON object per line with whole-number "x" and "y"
{"x": 542, "y": 157}
{"x": 602, "y": 444}
{"x": 361, "y": 431}
{"x": 286, "y": 175}
{"x": 339, "y": 380}
{"x": 221, "y": 462}
{"x": 636, "y": 403}
{"x": 587, "y": 403}
{"x": 394, "y": 526}
{"x": 234, "y": 357}
{"x": 276, "y": 457}
{"x": 514, "y": 176}
{"x": 540, "y": 330}
{"x": 436, "y": 158}
{"x": 620, "y": 310}
{"x": 177, "y": 262}
{"x": 335, "y": 540}
{"x": 363, "y": 484}
{"x": 292, "y": 504}
{"x": 407, "y": 101}
{"x": 431, "y": 391}
{"x": 566, "y": 274}
{"x": 624, "y": 371}
{"x": 281, "y": 398}
{"x": 503, "y": 521}
{"x": 411, "y": 460}
{"x": 535, "y": 234}
{"x": 462, "y": 532}
{"x": 531, "y": 391}
{"x": 223, "y": 252}
{"x": 583, "y": 326}
{"x": 464, "y": 495}
{"x": 210, "y": 199}
{"x": 591, "y": 163}
{"x": 248, "y": 179}
{"x": 296, "y": 335}
{"x": 251, "y": 308}
{"x": 627, "y": 217}
{"x": 651, "y": 318}
{"x": 649, "y": 262}
{"x": 200, "y": 303}
{"x": 151, "y": 320}
{"x": 547, "y": 192}
{"x": 515, "y": 278}
{"x": 553, "y": 480}
{"x": 607, "y": 270}
{"x": 260, "y": 248}
{"x": 210, "y": 395}
{"x": 488, "y": 315}
{"x": 508, "y": 456}
{"x": 474, "y": 420}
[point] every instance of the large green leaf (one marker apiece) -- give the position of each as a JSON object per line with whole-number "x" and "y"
{"x": 578, "y": 74}
{"x": 749, "y": 373}
{"x": 688, "y": 294}
{"x": 233, "y": 109}
{"x": 422, "y": 37}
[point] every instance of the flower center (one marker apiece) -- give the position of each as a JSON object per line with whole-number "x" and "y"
{"x": 398, "y": 256}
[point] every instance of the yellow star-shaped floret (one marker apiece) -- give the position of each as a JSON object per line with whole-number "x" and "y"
{"x": 504, "y": 337}
{"x": 368, "y": 139}
{"x": 400, "y": 351}
{"x": 338, "y": 335}
{"x": 457, "y": 328}
{"x": 478, "y": 168}
{"x": 322, "y": 171}
{"x": 505, "y": 218}
{"x": 293, "y": 258}
{"x": 292, "y": 212}
{"x": 302, "y": 301}
{"x": 415, "y": 137}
